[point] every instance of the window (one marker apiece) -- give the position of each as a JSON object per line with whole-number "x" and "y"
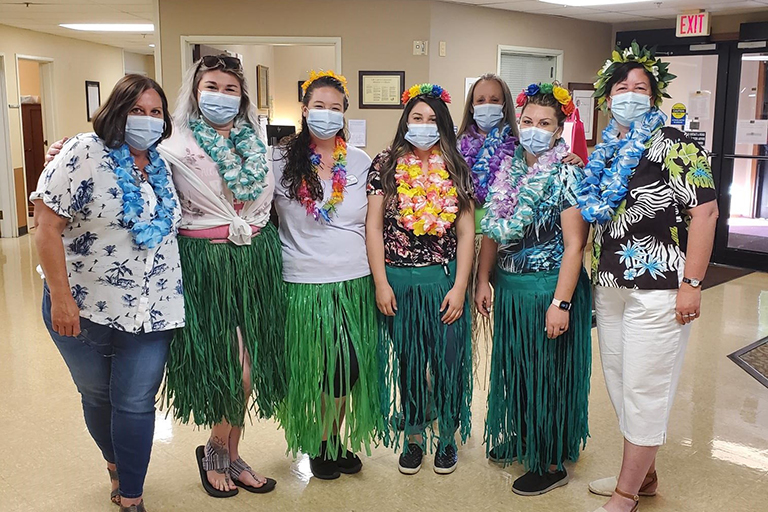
{"x": 520, "y": 67}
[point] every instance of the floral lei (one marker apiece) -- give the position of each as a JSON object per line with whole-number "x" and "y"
{"x": 240, "y": 158}
{"x": 516, "y": 194}
{"x": 339, "y": 180}
{"x": 604, "y": 188}
{"x": 146, "y": 235}
{"x": 484, "y": 156}
{"x": 428, "y": 203}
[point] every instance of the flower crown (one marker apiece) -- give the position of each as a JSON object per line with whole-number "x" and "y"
{"x": 314, "y": 75}
{"x": 560, "y": 93}
{"x": 431, "y": 90}
{"x": 644, "y": 56}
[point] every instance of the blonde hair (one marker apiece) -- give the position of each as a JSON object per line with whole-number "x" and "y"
{"x": 468, "y": 119}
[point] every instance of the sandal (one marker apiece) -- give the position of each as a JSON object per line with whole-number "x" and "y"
{"x": 114, "y": 496}
{"x": 633, "y": 497}
{"x": 209, "y": 460}
{"x": 605, "y": 486}
{"x": 237, "y": 467}
{"x": 134, "y": 508}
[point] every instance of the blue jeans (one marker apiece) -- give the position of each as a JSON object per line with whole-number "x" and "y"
{"x": 117, "y": 374}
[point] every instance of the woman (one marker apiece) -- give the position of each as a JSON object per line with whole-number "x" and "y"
{"x": 540, "y": 366}
{"x": 106, "y": 216}
{"x": 650, "y": 193}
{"x": 233, "y": 343}
{"x": 420, "y": 245}
{"x": 331, "y": 319}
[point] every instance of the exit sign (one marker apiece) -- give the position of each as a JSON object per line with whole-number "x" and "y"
{"x": 692, "y": 25}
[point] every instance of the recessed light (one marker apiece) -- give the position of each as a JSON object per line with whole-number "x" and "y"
{"x": 589, "y": 3}
{"x": 151, "y": 46}
{"x": 110, "y": 27}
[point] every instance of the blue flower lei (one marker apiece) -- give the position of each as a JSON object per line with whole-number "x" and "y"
{"x": 485, "y": 157}
{"x": 604, "y": 188}
{"x": 146, "y": 235}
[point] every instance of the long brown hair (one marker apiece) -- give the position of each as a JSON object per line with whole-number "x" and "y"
{"x": 509, "y": 106}
{"x": 454, "y": 163}
{"x": 109, "y": 120}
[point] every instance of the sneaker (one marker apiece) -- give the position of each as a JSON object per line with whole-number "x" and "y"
{"x": 349, "y": 463}
{"x": 503, "y": 453}
{"x": 534, "y": 484}
{"x": 446, "y": 460}
{"x": 410, "y": 460}
{"x": 324, "y": 469}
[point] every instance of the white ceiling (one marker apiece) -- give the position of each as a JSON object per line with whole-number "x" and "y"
{"x": 45, "y": 16}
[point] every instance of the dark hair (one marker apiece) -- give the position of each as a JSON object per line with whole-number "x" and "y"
{"x": 622, "y": 72}
{"x": 546, "y": 100}
{"x": 454, "y": 163}
{"x": 295, "y": 148}
{"x": 109, "y": 120}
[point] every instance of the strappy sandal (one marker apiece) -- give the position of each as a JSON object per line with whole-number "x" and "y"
{"x": 633, "y": 497}
{"x": 605, "y": 486}
{"x": 134, "y": 508}
{"x": 114, "y": 496}
{"x": 209, "y": 460}
{"x": 237, "y": 467}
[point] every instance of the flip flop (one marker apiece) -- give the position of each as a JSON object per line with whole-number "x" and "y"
{"x": 237, "y": 467}
{"x": 212, "y": 462}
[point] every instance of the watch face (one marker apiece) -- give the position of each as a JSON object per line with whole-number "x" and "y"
{"x": 565, "y": 305}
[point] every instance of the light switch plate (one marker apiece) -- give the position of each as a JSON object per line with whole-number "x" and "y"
{"x": 442, "y": 48}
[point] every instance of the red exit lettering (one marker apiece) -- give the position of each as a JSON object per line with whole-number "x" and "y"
{"x": 692, "y": 23}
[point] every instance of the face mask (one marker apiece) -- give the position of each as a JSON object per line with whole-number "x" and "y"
{"x": 219, "y": 108}
{"x": 324, "y": 124}
{"x": 422, "y": 136}
{"x": 487, "y": 116}
{"x": 141, "y": 132}
{"x": 535, "y": 140}
{"x": 629, "y": 107}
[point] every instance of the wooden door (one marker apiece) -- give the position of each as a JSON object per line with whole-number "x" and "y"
{"x": 34, "y": 145}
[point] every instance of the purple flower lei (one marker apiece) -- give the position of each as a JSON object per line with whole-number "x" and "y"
{"x": 484, "y": 156}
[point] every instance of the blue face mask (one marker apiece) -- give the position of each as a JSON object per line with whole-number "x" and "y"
{"x": 535, "y": 140}
{"x": 324, "y": 124}
{"x": 219, "y": 108}
{"x": 422, "y": 136}
{"x": 487, "y": 116}
{"x": 629, "y": 107}
{"x": 141, "y": 132}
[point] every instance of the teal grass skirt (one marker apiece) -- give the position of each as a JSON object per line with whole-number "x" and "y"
{"x": 417, "y": 349}
{"x": 322, "y": 323}
{"x": 539, "y": 388}
{"x": 228, "y": 288}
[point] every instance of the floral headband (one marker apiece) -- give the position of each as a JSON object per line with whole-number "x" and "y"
{"x": 314, "y": 75}
{"x": 560, "y": 93}
{"x": 643, "y": 56}
{"x": 431, "y": 90}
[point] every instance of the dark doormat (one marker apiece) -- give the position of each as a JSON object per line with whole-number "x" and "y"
{"x": 753, "y": 359}
{"x": 719, "y": 274}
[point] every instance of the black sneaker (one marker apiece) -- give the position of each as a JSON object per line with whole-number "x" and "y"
{"x": 349, "y": 463}
{"x": 322, "y": 467}
{"x": 534, "y": 484}
{"x": 446, "y": 460}
{"x": 504, "y": 453}
{"x": 410, "y": 460}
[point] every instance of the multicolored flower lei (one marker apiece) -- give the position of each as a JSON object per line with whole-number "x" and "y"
{"x": 146, "y": 235}
{"x": 605, "y": 187}
{"x": 517, "y": 192}
{"x": 560, "y": 93}
{"x": 484, "y": 156}
{"x": 428, "y": 203}
{"x": 432, "y": 90}
{"x": 338, "y": 179}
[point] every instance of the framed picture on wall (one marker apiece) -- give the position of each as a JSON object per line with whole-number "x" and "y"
{"x": 92, "y": 98}
{"x": 585, "y": 102}
{"x": 262, "y": 86}
{"x": 301, "y": 90}
{"x": 381, "y": 89}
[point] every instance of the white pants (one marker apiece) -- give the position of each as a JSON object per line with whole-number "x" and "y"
{"x": 642, "y": 348}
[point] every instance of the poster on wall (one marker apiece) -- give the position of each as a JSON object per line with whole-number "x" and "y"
{"x": 92, "y": 98}
{"x": 679, "y": 115}
{"x": 262, "y": 85}
{"x": 468, "y": 83}
{"x": 381, "y": 89}
{"x": 581, "y": 93}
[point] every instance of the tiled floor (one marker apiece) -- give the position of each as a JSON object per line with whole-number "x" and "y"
{"x": 716, "y": 458}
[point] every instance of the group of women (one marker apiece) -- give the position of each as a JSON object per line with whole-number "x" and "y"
{"x": 332, "y": 292}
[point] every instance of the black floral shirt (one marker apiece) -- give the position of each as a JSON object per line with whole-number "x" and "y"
{"x": 644, "y": 245}
{"x": 402, "y": 248}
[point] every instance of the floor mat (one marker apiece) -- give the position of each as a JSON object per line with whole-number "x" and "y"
{"x": 753, "y": 359}
{"x": 719, "y": 274}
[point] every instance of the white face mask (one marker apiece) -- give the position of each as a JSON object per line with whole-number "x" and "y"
{"x": 141, "y": 132}
{"x": 535, "y": 140}
{"x": 629, "y": 107}
{"x": 422, "y": 136}
{"x": 488, "y": 115}
{"x": 324, "y": 124}
{"x": 219, "y": 108}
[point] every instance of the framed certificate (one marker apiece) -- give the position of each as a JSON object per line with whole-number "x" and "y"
{"x": 92, "y": 98}
{"x": 585, "y": 102}
{"x": 381, "y": 89}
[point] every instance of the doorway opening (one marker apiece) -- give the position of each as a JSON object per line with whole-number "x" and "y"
{"x": 8, "y": 214}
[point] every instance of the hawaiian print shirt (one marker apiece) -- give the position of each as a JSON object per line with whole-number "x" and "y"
{"x": 542, "y": 247}
{"x": 644, "y": 245}
{"x": 402, "y": 248}
{"x": 113, "y": 282}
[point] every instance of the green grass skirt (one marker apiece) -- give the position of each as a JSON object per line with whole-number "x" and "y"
{"x": 321, "y": 322}
{"x": 539, "y": 388}
{"x": 416, "y": 343}
{"x": 225, "y": 287}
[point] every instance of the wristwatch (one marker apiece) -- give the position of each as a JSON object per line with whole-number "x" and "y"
{"x": 695, "y": 283}
{"x": 564, "y": 305}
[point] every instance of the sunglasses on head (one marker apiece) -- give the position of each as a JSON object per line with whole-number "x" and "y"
{"x": 223, "y": 61}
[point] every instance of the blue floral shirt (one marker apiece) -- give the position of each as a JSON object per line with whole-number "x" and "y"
{"x": 113, "y": 282}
